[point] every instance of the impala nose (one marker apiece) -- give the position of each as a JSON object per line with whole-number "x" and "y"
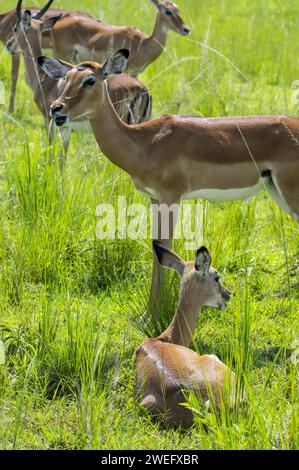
{"x": 186, "y": 31}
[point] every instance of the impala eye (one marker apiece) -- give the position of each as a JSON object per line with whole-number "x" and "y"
{"x": 91, "y": 81}
{"x": 217, "y": 278}
{"x": 168, "y": 12}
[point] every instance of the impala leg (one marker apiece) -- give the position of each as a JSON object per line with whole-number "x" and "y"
{"x": 164, "y": 221}
{"x": 15, "y": 66}
{"x": 50, "y": 129}
{"x": 65, "y": 136}
{"x": 157, "y": 281}
{"x": 51, "y": 132}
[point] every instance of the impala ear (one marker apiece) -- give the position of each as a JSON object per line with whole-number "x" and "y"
{"x": 203, "y": 261}
{"x": 54, "y": 68}
{"x": 49, "y": 23}
{"x": 157, "y": 3}
{"x": 115, "y": 64}
{"x": 167, "y": 258}
{"x": 27, "y": 19}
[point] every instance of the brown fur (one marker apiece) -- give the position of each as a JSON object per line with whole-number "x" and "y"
{"x": 166, "y": 369}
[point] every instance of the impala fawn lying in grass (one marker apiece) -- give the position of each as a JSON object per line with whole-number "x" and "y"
{"x": 165, "y": 367}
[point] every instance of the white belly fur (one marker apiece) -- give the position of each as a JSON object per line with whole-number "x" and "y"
{"x": 226, "y": 194}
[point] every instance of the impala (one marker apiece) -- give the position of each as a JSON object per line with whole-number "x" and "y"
{"x": 181, "y": 157}
{"x": 165, "y": 366}
{"x": 86, "y": 39}
{"x": 78, "y": 36}
{"x": 131, "y": 99}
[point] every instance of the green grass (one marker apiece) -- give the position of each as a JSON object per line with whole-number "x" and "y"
{"x": 67, "y": 300}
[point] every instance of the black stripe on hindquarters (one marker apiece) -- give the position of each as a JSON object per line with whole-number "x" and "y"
{"x": 266, "y": 174}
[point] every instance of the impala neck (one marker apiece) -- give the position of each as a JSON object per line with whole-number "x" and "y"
{"x": 114, "y": 137}
{"x": 33, "y": 72}
{"x": 182, "y": 328}
{"x": 154, "y": 44}
{"x": 35, "y": 77}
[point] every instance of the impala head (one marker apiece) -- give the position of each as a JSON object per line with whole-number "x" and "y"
{"x": 29, "y": 28}
{"x": 171, "y": 16}
{"x": 197, "y": 276}
{"x": 84, "y": 85}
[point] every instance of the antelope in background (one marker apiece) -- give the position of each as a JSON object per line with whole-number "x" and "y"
{"x": 165, "y": 367}
{"x": 86, "y": 39}
{"x": 183, "y": 157}
{"x": 131, "y": 99}
{"x": 78, "y": 36}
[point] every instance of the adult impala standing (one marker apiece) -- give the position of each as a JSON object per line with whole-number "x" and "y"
{"x": 181, "y": 157}
{"x": 89, "y": 40}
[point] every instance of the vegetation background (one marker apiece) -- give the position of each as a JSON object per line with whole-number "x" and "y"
{"x": 70, "y": 305}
